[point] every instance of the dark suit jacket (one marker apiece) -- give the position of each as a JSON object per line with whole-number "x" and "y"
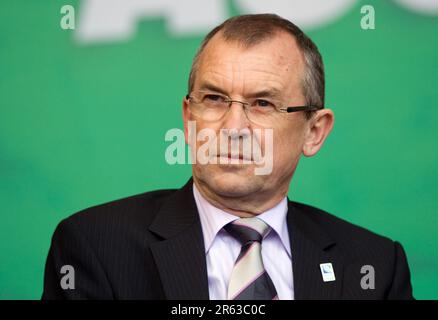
{"x": 150, "y": 246}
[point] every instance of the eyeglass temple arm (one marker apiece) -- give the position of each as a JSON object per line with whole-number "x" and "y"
{"x": 301, "y": 108}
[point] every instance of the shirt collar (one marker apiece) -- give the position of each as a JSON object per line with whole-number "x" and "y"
{"x": 214, "y": 219}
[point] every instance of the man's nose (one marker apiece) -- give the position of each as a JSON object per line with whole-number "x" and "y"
{"x": 236, "y": 117}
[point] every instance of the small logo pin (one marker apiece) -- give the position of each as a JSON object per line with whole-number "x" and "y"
{"x": 328, "y": 274}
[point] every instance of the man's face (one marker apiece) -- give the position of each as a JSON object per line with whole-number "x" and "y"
{"x": 274, "y": 66}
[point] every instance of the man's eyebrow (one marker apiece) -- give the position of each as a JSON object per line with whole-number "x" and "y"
{"x": 268, "y": 93}
{"x": 211, "y": 87}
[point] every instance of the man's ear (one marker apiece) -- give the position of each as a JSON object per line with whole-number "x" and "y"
{"x": 186, "y": 118}
{"x": 319, "y": 128}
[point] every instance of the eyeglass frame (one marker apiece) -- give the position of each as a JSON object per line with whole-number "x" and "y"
{"x": 289, "y": 109}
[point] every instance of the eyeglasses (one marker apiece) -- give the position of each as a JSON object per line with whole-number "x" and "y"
{"x": 211, "y": 106}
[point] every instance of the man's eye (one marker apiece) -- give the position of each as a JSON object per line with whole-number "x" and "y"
{"x": 263, "y": 103}
{"x": 213, "y": 98}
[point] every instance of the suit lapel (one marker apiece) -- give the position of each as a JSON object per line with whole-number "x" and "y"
{"x": 312, "y": 246}
{"x": 180, "y": 257}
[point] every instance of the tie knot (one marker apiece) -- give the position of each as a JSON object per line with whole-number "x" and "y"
{"x": 247, "y": 229}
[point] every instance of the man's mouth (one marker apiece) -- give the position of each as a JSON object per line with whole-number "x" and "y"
{"x": 236, "y": 157}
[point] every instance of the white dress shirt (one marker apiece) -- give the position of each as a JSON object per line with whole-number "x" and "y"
{"x": 222, "y": 249}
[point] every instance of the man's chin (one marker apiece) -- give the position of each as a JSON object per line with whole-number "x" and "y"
{"x": 232, "y": 184}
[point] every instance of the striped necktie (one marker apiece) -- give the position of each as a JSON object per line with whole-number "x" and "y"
{"x": 249, "y": 279}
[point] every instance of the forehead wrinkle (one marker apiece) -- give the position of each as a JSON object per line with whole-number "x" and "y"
{"x": 216, "y": 78}
{"x": 245, "y": 61}
{"x": 241, "y": 70}
{"x": 251, "y": 86}
{"x": 268, "y": 88}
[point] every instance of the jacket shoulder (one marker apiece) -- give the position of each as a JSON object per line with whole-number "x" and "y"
{"x": 133, "y": 212}
{"x": 348, "y": 235}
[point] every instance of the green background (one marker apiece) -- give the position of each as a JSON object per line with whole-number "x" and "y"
{"x": 84, "y": 124}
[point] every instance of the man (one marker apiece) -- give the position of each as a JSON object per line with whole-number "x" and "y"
{"x": 231, "y": 232}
